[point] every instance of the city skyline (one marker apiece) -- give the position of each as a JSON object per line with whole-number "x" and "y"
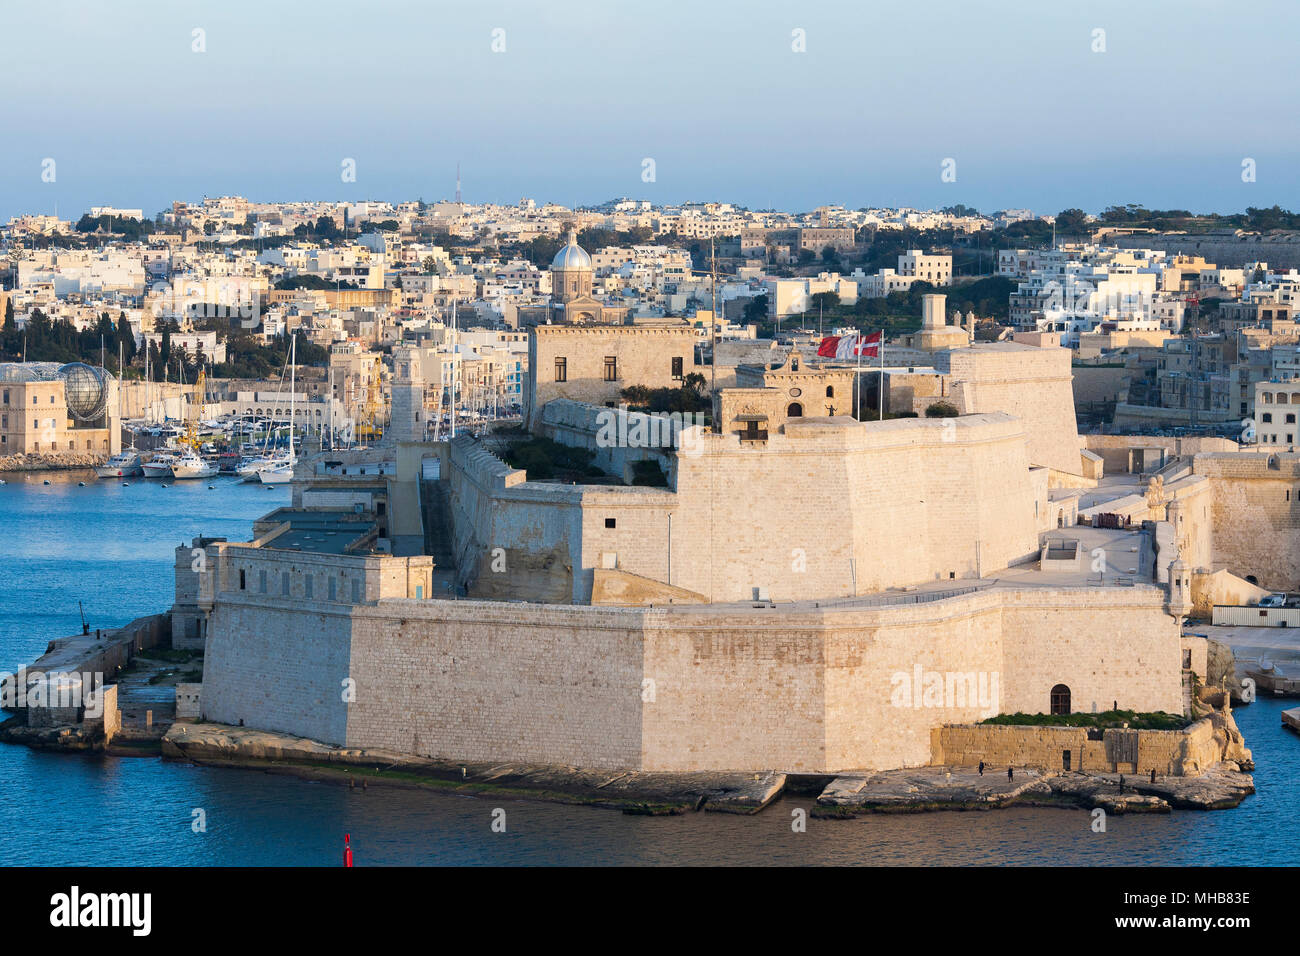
{"x": 781, "y": 108}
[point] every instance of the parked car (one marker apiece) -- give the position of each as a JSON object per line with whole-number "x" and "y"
{"x": 1273, "y": 600}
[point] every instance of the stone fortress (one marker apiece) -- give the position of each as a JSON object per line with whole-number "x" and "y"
{"x": 759, "y": 609}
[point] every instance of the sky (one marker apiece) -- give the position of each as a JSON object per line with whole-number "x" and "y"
{"x": 577, "y": 95}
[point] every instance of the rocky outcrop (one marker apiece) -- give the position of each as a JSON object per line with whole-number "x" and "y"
{"x": 629, "y": 791}
{"x": 69, "y": 738}
{"x": 1221, "y": 669}
{"x": 964, "y": 788}
{"x": 56, "y": 461}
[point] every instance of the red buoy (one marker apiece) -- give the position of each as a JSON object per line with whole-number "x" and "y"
{"x": 347, "y": 849}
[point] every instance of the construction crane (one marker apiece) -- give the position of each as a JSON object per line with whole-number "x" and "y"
{"x": 372, "y": 412}
{"x": 194, "y": 414}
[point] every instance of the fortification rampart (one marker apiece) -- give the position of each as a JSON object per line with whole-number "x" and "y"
{"x": 814, "y": 689}
{"x": 1255, "y": 512}
{"x": 865, "y": 506}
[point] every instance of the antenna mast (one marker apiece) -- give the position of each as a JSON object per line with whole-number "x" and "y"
{"x": 713, "y": 335}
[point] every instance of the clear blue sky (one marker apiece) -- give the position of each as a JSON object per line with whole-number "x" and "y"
{"x": 712, "y": 91}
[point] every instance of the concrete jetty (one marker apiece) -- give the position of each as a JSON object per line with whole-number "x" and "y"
{"x": 1291, "y": 718}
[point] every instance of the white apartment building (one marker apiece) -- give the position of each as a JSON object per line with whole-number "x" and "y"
{"x": 1277, "y": 403}
{"x": 936, "y": 270}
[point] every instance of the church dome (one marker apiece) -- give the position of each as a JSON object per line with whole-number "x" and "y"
{"x": 572, "y": 256}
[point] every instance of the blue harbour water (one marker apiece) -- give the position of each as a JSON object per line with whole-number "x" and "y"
{"x": 111, "y": 547}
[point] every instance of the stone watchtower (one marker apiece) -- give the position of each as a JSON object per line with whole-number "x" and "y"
{"x": 571, "y": 272}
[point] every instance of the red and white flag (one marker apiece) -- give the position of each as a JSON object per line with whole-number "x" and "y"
{"x": 828, "y": 347}
{"x": 868, "y": 345}
{"x": 850, "y": 346}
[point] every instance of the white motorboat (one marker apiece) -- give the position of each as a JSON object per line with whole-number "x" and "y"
{"x": 190, "y": 465}
{"x": 159, "y": 467}
{"x": 125, "y": 464}
{"x": 277, "y": 475}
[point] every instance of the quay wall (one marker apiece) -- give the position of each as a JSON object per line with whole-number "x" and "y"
{"x": 686, "y": 688}
{"x": 1185, "y": 752}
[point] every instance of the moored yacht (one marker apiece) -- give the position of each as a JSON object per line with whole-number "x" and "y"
{"x": 160, "y": 466}
{"x": 190, "y": 465}
{"x": 125, "y": 464}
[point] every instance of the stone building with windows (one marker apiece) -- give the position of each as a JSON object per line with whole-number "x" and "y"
{"x": 1277, "y": 405}
{"x": 595, "y": 363}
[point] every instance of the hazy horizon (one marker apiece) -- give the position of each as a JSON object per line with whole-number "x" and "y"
{"x": 715, "y": 95}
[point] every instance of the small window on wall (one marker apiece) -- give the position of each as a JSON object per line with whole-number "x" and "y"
{"x": 241, "y": 579}
{"x": 561, "y": 369}
{"x": 611, "y": 368}
{"x": 1060, "y": 699}
{"x": 677, "y": 366}
{"x": 610, "y": 522}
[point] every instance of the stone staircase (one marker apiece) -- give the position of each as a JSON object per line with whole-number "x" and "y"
{"x": 435, "y": 513}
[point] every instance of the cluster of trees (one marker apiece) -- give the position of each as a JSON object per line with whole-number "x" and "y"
{"x": 308, "y": 281}
{"x": 324, "y": 229}
{"x": 132, "y": 229}
{"x": 692, "y": 396}
{"x": 544, "y": 459}
{"x": 58, "y": 340}
{"x": 896, "y": 312}
{"x": 248, "y": 357}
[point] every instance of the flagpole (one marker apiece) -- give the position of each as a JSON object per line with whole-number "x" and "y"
{"x": 880, "y": 388}
{"x": 858, "y": 382}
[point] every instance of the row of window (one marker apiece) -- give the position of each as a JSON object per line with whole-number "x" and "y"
{"x": 308, "y": 585}
{"x": 611, "y": 368}
{"x": 1267, "y": 418}
{"x": 36, "y": 399}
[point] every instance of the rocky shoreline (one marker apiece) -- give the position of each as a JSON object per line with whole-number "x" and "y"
{"x": 630, "y": 791}
{"x": 913, "y": 790}
{"x": 59, "y": 461}
{"x": 919, "y": 789}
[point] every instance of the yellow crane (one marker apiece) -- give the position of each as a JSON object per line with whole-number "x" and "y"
{"x": 372, "y": 412}
{"x": 194, "y": 414}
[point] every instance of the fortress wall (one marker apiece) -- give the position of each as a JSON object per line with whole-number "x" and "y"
{"x": 734, "y": 692}
{"x": 825, "y": 502}
{"x": 474, "y": 680}
{"x": 685, "y": 689}
{"x": 1114, "y": 449}
{"x": 799, "y": 516}
{"x": 1033, "y": 384}
{"x": 277, "y": 665}
{"x": 877, "y": 712}
{"x": 638, "y": 436}
{"x": 1185, "y": 752}
{"x": 640, "y": 541}
{"x": 1255, "y": 512}
{"x": 537, "y": 525}
{"x": 1190, "y": 513}
{"x": 1105, "y": 644}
